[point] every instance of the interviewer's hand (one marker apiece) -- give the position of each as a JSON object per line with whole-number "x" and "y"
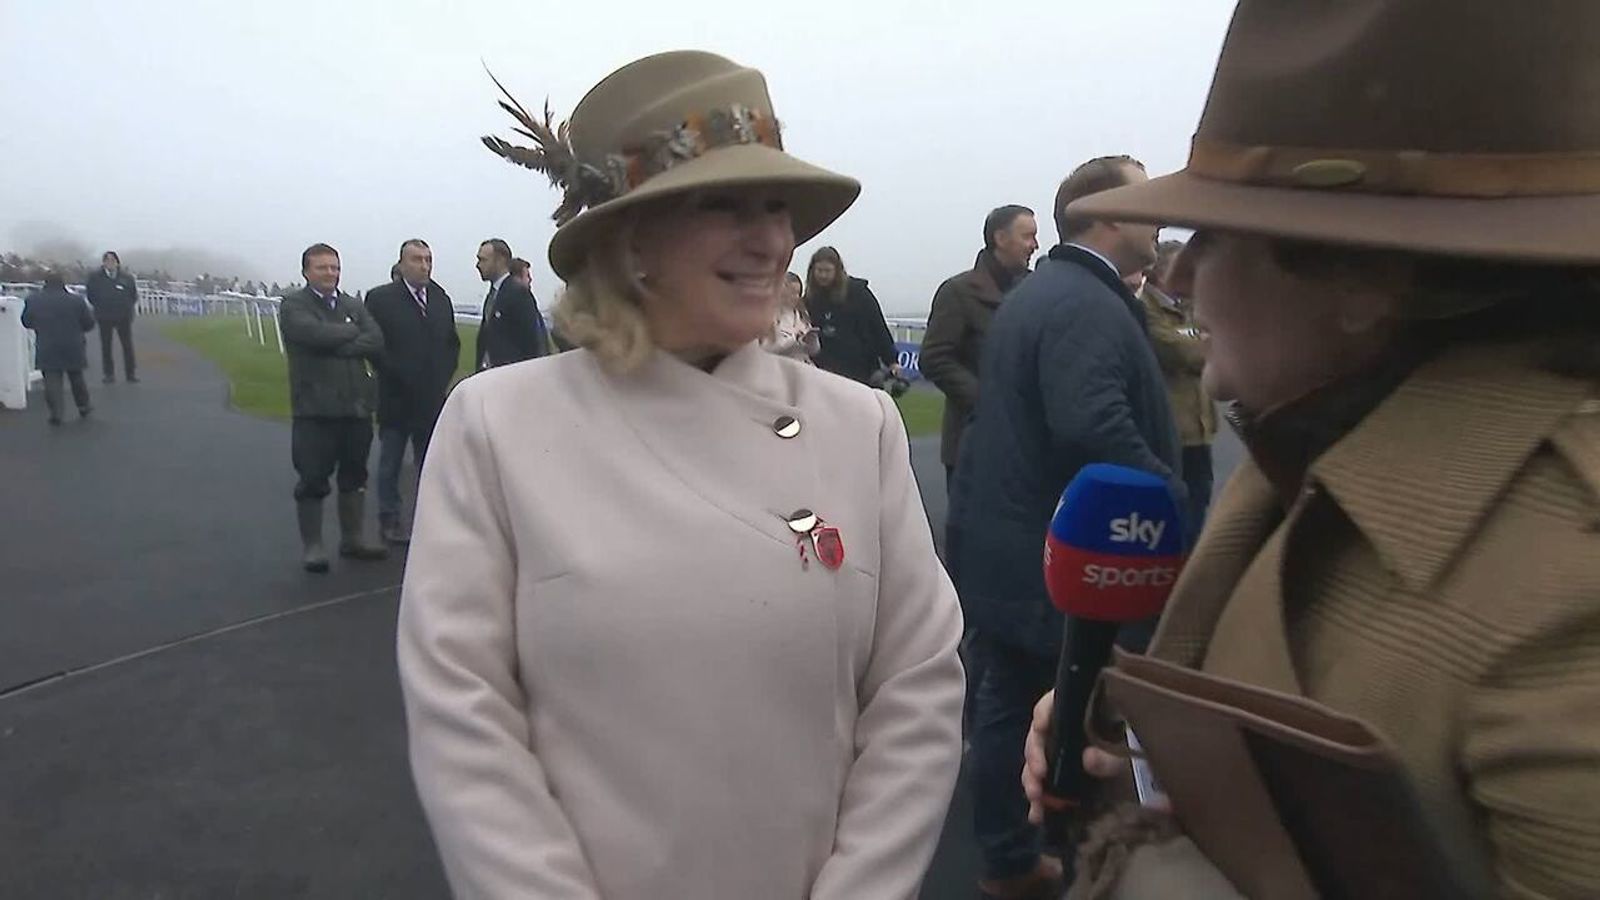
{"x": 1096, "y": 762}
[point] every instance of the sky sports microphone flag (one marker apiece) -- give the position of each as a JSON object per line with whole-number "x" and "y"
{"x": 1112, "y": 554}
{"x": 1115, "y": 545}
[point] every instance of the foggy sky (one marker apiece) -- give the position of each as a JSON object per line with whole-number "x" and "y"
{"x": 252, "y": 129}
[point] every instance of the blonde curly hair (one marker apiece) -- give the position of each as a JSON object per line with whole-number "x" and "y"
{"x": 601, "y": 309}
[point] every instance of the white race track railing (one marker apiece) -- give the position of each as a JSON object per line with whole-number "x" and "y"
{"x": 255, "y": 311}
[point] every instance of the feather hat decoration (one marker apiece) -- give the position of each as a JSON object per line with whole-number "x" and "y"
{"x": 660, "y": 128}
{"x": 552, "y": 155}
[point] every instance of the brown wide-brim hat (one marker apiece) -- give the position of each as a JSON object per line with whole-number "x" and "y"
{"x": 666, "y": 126}
{"x": 1436, "y": 126}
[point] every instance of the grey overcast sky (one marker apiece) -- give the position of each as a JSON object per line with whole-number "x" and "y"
{"x": 256, "y": 128}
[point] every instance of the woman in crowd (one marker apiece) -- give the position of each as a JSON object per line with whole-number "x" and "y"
{"x": 667, "y": 673}
{"x": 1411, "y": 346}
{"x": 792, "y": 334}
{"x": 855, "y": 338}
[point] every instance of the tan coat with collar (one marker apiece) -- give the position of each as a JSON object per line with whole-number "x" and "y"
{"x": 1439, "y": 578}
{"x": 620, "y": 680}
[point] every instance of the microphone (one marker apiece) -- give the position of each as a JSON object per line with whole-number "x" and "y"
{"x": 1113, "y": 552}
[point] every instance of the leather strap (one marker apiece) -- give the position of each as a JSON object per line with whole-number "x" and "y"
{"x": 1480, "y": 175}
{"x": 1094, "y": 715}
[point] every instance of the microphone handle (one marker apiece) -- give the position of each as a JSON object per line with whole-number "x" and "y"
{"x": 1086, "y": 647}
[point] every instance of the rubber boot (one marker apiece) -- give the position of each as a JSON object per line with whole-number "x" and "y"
{"x": 352, "y": 543}
{"x": 392, "y": 530}
{"x": 314, "y": 559}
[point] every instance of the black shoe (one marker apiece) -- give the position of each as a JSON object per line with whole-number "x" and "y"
{"x": 83, "y": 411}
{"x": 55, "y": 420}
{"x": 133, "y": 379}
{"x": 109, "y": 379}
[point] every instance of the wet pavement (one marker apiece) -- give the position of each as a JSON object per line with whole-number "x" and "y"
{"x": 183, "y": 712}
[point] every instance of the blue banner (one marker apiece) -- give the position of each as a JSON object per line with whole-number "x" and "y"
{"x": 909, "y": 356}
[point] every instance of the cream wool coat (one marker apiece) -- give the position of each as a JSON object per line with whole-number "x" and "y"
{"x": 619, "y": 678}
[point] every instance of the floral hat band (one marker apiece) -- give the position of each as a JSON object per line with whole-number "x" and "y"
{"x": 664, "y": 127}
{"x": 588, "y": 184}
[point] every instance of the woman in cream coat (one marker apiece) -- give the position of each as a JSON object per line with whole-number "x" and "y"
{"x": 636, "y": 664}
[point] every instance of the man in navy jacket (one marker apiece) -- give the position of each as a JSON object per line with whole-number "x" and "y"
{"x": 1068, "y": 378}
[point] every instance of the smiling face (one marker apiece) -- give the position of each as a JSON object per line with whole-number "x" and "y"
{"x": 1015, "y": 244}
{"x": 713, "y": 267}
{"x": 322, "y": 273}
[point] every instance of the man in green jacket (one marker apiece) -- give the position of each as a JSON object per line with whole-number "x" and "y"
{"x": 329, "y": 339}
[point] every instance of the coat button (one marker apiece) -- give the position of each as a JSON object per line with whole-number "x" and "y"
{"x": 801, "y": 521}
{"x": 786, "y": 427}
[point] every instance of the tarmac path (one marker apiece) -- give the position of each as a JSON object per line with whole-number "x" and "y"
{"x": 183, "y": 712}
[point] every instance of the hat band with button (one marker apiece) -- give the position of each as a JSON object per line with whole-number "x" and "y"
{"x": 1399, "y": 172}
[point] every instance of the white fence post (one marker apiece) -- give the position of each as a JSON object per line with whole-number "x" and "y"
{"x": 16, "y": 355}
{"x": 277, "y": 330}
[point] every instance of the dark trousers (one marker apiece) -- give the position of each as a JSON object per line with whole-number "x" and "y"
{"x": 392, "y": 440}
{"x": 321, "y": 446}
{"x": 52, "y": 390}
{"x": 124, "y": 330}
{"x": 1013, "y": 681}
{"x": 1197, "y": 475}
{"x": 972, "y": 657}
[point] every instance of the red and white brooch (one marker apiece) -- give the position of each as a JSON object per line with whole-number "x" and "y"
{"x": 815, "y": 537}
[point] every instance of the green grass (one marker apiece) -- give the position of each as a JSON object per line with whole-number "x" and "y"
{"x": 923, "y": 410}
{"x": 258, "y": 375}
{"x": 260, "y": 379}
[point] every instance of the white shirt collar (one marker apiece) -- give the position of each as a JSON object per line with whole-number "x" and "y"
{"x": 415, "y": 289}
{"x": 1097, "y": 255}
{"x": 499, "y": 281}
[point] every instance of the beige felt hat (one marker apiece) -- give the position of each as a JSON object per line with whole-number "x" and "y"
{"x": 665, "y": 125}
